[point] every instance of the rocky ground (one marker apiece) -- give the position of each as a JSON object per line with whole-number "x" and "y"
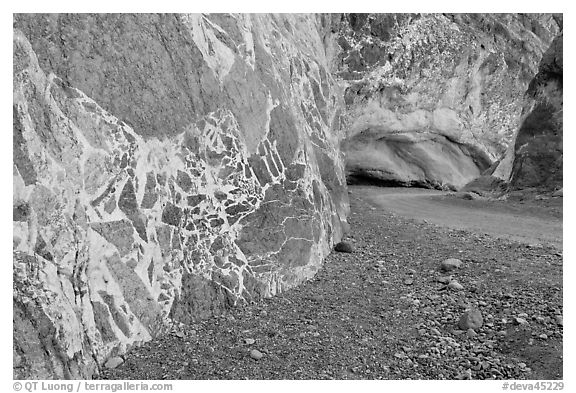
{"x": 385, "y": 311}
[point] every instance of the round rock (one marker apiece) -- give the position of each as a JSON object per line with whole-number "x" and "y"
{"x": 450, "y": 264}
{"x": 256, "y": 354}
{"x": 471, "y": 319}
{"x": 344, "y": 247}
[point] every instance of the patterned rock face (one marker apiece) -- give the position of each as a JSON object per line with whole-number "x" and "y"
{"x": 434, "y": 99}
{"x": 535, "y": 159}
{"x": 165, "y": 167}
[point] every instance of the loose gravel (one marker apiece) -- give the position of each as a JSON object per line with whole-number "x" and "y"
{"x": 385, "y": 311}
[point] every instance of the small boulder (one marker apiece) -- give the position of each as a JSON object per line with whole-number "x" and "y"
{"x": 471, "y": 319}
{"x": 344, "y": 247}
{"x": 520, "y": 321}
{"x": 450, "y": 264}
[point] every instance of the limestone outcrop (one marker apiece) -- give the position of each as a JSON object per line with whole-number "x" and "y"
{"x": 535, "y": 158}
{"x": 434, "y": 100}
{"x": 166, "y": 167}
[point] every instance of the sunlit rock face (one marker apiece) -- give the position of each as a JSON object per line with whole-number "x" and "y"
{"x": 535, "y": 158}
{"x": 434, "y": 99}
{"x": 166, "y": 167}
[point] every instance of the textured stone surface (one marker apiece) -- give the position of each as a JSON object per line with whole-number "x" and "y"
{"x": 450, "y": 264}
{"x": 434, "y": 99}
{"x": 173, "y": 166}
{"x": 471, "y": 319}
{"x": 165, "y": 166}
{"x": 535, "y": 159}
{"x": 344, "y": 247}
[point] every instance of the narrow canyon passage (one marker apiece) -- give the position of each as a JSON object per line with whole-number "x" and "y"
{"x": 384, "y": 311}
{"x": 532, "y": 226}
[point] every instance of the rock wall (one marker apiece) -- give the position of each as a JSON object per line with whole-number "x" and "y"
{"x": 535, "y": 159}
{"x": 434, "y": 99}
{"x": 166, "y": 167}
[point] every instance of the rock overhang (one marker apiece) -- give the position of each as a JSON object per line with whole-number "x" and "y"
{"x": 456, "y": 75}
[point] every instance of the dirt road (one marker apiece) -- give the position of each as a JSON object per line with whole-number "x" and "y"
{"x": 503, "y": 220}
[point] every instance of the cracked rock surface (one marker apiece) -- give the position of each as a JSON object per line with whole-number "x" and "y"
{"x": 166, "y": 167}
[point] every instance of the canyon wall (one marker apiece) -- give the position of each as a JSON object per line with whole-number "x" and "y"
{"x": 434, "y": 100}
{"x": 535, "y": 158}
{"x": 166, "y": 167}
{"x": 169, "y": 167}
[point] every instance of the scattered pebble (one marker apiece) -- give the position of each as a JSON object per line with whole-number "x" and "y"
{"x": 450, "y": 264}
{"x": 444, "y": 279}
{"x": 113, "y": 362}
{"x": 256, "y": 354}
{"x": 471, "y": 319}
{"x": 455, "y": 285}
